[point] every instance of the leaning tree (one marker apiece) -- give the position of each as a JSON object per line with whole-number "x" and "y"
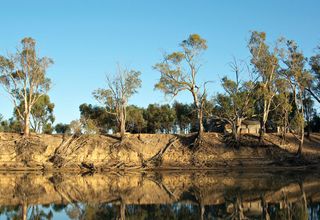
{"x": 299, "y": 79}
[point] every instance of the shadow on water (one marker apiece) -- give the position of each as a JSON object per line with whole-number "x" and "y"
{"x": 161, "y": 195}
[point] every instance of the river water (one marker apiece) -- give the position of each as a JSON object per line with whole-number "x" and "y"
{"x": 197, "y": 194}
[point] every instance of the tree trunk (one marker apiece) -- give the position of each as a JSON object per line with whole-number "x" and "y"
{"x": 285, "y": 126}
{"x": 304, "y": 202}
{"x": 235, "y": 132}
{"x": 266, "y": 109}
{"x": 122, "y": 211}
{"x": 265, "y": 212}
{"x": 26, "y": 129}
{"x": 122, "y": 123}
{"x": 24, "y": 211}
{"x": 239, "y": 209}
{"x": 301, "y": 127}
{"x": 299, "y": 153}
{"x": 199, "y": 111}
{"x": 262, "y": 131}
{"x": 200, "y": 121}
{"x": 202, "y": 211}
{"x": 238, "y": 129}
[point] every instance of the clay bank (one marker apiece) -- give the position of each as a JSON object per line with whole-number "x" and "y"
{"x": 148, "y": 151}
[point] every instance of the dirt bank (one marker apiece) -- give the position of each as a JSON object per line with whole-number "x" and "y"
{"x": 146, "y": 151}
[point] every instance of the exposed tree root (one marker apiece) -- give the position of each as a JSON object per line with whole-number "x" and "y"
{"x": 58, "y": 159}
{"x": 156, "y": 160}
{"x": 89, "y": 166}
{"x": 197, "y": 142}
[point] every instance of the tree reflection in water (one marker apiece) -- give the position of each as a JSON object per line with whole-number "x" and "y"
{"x": 160, "y": 196}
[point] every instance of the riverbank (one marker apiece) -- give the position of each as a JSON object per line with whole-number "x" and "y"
{"x": 150, "y": 151}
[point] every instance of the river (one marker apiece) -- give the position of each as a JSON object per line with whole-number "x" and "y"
{"x": 195, "y": 194}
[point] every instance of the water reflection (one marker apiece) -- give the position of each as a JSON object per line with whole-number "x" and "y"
{"x": 160, "y": 195}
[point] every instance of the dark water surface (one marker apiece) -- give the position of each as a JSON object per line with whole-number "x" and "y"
{"x": 161, "y": 195}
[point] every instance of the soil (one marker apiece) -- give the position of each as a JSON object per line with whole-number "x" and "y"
{"x": 152, "y": 151}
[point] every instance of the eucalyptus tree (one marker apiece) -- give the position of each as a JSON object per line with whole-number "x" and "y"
{"x": 61, "y": 128}
{"x": 135, "y": 121}
{"x": 237, "y": 103}
{"x": 184, "y": 116}
{"x": 120, "y": 87}
{"x": 23, "y": 75}
{"x": 97, "y": 117}
{"x": 179, "y": 71}
{"x": 314, "y": 88}
{"x": 283, "y": 106}
{"x": 265, "y": 63}
{"x": 308, "y": 105}
{"x": 299, "y": 79}
{"x": 159, "y": 118}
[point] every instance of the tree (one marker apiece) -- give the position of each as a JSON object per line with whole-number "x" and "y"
{"x": 184, "y": 116}
{"x": 98, "y": 117}
{"x": 159, "y": 118}
{"x": 314, "y": 88}
{"x": 308, "y": 105}
{"x": 15, "y": 125}
{"x": 41, "y": 114}
{"x": 4, "y": 125}
{"x": 120, "y": 88}
{"x": 135, "y": 122}
{"x": 179, "y": 72}
{"x": 167, "y": 117}
{"x": 265, "y": 63}
{"x": 23, "y": 76}
{"x": 237, "y": 104}
{"x": 62, "y": 128}
{"x": 315, "y": 123}
{"x": 76, "y": 127}
{"x": 299, "y": 79}
{"x": 283, "y": 106}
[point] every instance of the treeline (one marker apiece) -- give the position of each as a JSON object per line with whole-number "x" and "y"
{"x": 178, "y": 118}
{"x": 277, "y": 87}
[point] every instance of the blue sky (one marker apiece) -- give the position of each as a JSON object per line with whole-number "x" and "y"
{"x": 87, "y": 39}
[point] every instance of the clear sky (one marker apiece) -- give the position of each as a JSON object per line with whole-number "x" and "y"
{"x": 87, "y": 39}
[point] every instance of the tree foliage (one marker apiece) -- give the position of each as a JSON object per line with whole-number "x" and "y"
{"x": 135, "y": 121}
{"x": 160, "y": 118}
{"x": 96, "y": 116}
{"x": 61, "y": 128}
